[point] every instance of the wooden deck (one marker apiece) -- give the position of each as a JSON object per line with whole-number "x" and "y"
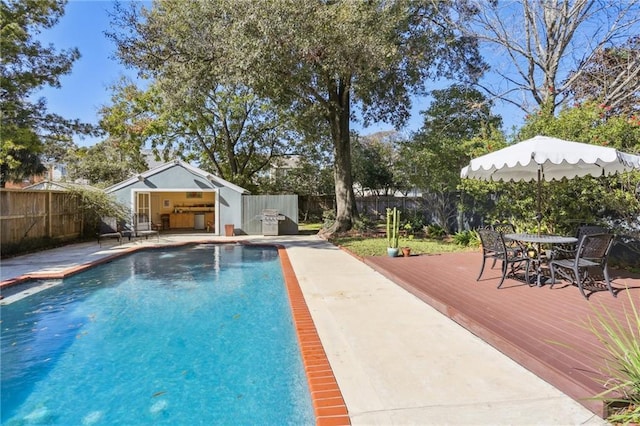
{"x": 541, "y": 328}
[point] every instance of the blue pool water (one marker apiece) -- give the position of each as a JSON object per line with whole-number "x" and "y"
{"x": 195, "y": 335}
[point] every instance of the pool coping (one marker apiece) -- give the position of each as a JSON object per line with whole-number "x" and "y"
{"x": 326, "y": 397}
{"x": 327, "y": 400}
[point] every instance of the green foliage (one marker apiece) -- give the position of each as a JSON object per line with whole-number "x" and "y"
{"x": 364, "y": 224}
{"x": 407, "y": 228}
{"x": 413, "y": 223}
{"x": 328, "y": 218}
{"x": 96, "y": 204}
{"x": 434, "y": 230}
{"x": 372, "y": 163}
{"x": 226, "y": 129}
{"x": 393, "y": 227}
{"x": 467, "y": 238}
{"x": 586, "y": 123}
{"x": 28, "y": 66}
{"x": 445, "y": 143}
{"x": 621, "y": 346}
{"x": 104, "y": 163}
{"x": 311, "y": 174}
{"x": 19, "y": 160}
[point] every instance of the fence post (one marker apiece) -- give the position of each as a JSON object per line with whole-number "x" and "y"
{"x": 48, "y": 216}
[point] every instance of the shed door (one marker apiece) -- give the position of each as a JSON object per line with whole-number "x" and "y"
{"x": 143, "y": 211}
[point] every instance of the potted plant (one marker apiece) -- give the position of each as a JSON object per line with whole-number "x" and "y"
{"x": 393, "y": 231}
{"x": 406, "y": 250}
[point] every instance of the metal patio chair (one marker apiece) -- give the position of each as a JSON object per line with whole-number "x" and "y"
{"x": 504, "y": 227}
{"x": 509, "y": 228}
{"x": 588, "y": 266}
{"x": 568, "y": 251}
{"x": 589, "y": 230}
{"x": 494, "y": 247}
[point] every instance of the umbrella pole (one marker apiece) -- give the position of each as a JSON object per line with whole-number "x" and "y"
{"x": 539, "y": 220}
{"x": 539, "y": 214}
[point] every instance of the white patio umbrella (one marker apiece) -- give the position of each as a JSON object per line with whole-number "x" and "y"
{"x": 546, "y": 158}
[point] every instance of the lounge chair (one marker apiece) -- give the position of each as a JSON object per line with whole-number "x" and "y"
{"x": 109, "y": 229}
{"x": 146, "y": 230}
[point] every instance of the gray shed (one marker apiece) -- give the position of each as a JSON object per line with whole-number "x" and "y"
{"x": 179, "y": 196}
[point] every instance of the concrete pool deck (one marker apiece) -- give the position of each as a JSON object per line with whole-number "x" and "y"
{"x": 396, "y": 359}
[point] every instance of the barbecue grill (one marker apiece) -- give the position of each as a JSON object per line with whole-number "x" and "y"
{"x": 270, "y": 220}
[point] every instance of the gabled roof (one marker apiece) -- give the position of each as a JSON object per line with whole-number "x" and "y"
{"x": 199, "y": 172}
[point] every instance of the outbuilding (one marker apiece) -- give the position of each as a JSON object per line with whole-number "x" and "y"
{"x": 178, "y": 196}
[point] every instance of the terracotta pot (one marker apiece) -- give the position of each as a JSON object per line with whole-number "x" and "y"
{"x": 406, "y": 251}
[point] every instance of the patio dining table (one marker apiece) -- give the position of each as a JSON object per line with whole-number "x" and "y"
{"x": 539, "y": 240}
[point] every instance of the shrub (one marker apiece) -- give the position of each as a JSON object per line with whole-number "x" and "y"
{"x": 621, "y": 347}
{"x": 434, "y": 231}
{"x": 466, "y": 238}
{"x": 364, "y": 224}
{"x": 328, "y": 218}
{"x": 413, "y": 223}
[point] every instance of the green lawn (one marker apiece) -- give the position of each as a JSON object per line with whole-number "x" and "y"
{"x": 309, "y": 228}
{"x": 378, "y": 246}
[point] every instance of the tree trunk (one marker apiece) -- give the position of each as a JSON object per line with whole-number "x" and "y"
{"x": 339, "y": 99}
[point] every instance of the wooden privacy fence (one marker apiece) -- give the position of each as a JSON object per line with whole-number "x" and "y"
{"x": 31, "y": 215}
{"x": 374, "y": 207}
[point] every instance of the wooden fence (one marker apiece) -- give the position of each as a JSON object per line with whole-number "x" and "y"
{"x": 373, "y": 207}
{"x": 35, "y": 215}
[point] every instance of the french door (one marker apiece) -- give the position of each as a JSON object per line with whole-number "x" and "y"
{"x": 143, "y": 211}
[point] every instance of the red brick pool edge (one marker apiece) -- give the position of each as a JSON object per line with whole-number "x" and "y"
{"x": 328, "y": 404}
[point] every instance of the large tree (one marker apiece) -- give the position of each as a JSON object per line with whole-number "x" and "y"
{"x": 373, "y": 158}
{"x": 315, "y": 58}
{"x": 547, "y": 45}
{"x": 103, "y": 164}
{"x": 28, "y": 129}
{"x": 226, "y": 129}
{"x": 611, "y": 78}
{"x": 441, "y": 147}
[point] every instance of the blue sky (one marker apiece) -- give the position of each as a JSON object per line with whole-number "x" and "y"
{"x": 86, "y": 89}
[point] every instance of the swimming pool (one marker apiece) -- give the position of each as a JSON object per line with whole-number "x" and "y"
{"x": 197, "y": 335}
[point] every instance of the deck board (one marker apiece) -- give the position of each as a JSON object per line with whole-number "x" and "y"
{"x": 542, "y": 328}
